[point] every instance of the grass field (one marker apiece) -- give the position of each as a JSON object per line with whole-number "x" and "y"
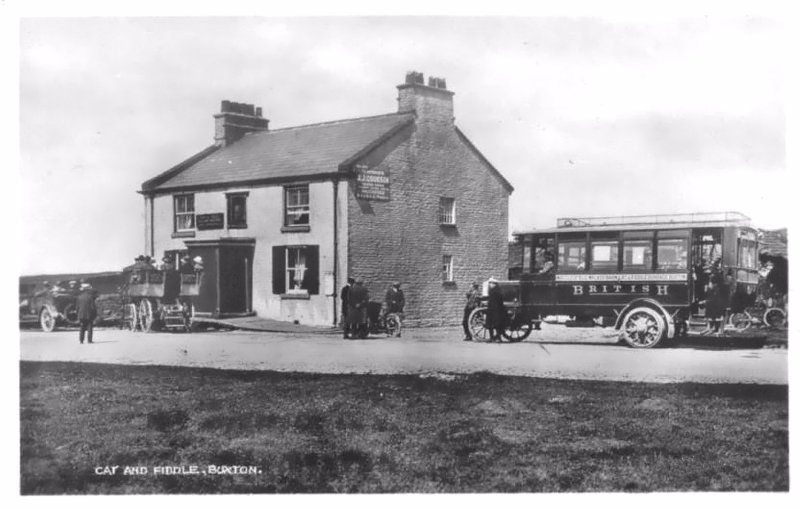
{"x": 307, "y": 433}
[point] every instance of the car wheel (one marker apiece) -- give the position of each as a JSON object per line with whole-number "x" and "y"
{"x": 47, "y": 320}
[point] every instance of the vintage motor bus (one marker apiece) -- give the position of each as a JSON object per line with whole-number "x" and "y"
{"x": 644, "y": 275}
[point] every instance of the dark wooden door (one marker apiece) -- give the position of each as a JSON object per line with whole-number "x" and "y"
{"x": 236, "y": 279}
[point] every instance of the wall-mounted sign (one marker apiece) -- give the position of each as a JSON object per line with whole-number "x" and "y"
{"x": 372, "y": 183}
{"x": 210, "y": 221}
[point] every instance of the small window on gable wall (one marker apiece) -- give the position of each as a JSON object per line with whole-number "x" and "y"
{"x": 447, "y": 210}
{"x": 447, "y": 268}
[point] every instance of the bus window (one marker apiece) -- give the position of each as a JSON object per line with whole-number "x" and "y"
{"x": 572, "y": 255}
{"x": 543, "y": 250}
{"x": 637, "y": 254}
{"x": 605, "y": 254}
{"x": 671, "y": 254}
{"x": 526, "y": 257}
{"x": 747, "y": 254}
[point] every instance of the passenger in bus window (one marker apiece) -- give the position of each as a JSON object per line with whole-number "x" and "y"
{"x": 548, "y": 264}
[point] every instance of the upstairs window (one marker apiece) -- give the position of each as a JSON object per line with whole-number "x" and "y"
{"x": 237, "y": 210}
{"x": 296, "y": 206}
{"x": 184, "y": 212}
{"x": 447, "y": 211}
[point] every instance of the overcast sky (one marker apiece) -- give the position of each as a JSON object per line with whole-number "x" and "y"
{"x": 584, "y": 116}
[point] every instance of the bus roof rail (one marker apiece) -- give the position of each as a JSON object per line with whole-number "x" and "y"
{"x": 732, "y": 218}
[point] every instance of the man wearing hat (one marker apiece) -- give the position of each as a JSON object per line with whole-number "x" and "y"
{"x": 473, "y": 301}
{"x": 345, "y": 296}
{"x": 87, "y": 312}
{"x": 496, "y": 316}
{"x": 357, "y": 309}
{"x": 395, "y": 300}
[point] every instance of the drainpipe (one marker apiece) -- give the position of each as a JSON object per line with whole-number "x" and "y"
{"x": 149, "y": 236}
{"x": 335, "y": 245}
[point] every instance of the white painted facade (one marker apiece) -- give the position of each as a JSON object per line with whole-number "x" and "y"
{"x": 265, "y": 215}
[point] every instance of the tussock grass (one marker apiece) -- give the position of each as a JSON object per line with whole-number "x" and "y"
{"x": 311, "y": 433}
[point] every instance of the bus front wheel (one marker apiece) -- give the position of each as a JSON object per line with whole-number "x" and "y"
{"x": 643, "y": 327}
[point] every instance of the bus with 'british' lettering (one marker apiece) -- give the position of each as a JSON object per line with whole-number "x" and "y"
{"x": 650, "y": 277}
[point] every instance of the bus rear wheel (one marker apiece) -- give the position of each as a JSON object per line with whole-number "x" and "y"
{"x": 643, "y": 328}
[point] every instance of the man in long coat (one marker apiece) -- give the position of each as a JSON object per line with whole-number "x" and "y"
{"x": 87, "y": 312}
{"x": 345, "y": 296}
{"x": 496, "y": 316}
{"x": 357, "y": 308}
{"x": 473, "y": 301}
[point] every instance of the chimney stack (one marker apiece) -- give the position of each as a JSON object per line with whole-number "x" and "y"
{"x": 235, "y": 120}
{"x": 431, "y": 102}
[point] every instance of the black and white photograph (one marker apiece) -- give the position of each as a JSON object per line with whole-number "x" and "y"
{"x": 350, "y": 252}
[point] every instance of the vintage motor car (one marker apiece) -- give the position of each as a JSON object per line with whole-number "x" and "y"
{"x": 52, "y": 307}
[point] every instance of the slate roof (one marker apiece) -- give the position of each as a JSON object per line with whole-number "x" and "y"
{"x": 293, "y": 152}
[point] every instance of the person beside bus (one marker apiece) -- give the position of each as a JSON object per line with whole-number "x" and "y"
{"x": 496, "y": 315}
{"x": 716, "y": 301}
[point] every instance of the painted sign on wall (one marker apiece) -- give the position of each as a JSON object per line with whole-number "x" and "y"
{"x": 210, "y": 221}
{"x": 372, "y": 183}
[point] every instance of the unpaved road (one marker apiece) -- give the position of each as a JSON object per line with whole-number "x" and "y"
{"x": 554, "y": 352}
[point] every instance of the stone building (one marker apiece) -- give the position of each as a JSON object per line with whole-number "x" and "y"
{"x": 282, "y": 217}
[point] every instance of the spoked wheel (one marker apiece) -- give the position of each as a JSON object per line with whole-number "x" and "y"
{"x": 775, "y": 317}
{"x": 131, "y": 316}
{"x": 477, "y": 325}
{"x": 46, "y": 320}
{"x": 643, "y": 328}
{"x": 393, "y": 324}
{"x": 518, "y": 332}
{"x": 740, "y": 321}
{"x": 145, "y": 315}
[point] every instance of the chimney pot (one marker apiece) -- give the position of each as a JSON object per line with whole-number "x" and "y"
{"x": 413, "y": 77}
{"x": 237, "y": 119}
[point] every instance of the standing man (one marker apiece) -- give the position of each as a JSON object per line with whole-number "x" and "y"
{"x": 345, "y": 296}
{"x": 496, "y": 316}
{"x": 473, "y": 301}
{"x": 395, "y": 300}
{"x": 87, "y": 312}
{"x": 357, "y": 309}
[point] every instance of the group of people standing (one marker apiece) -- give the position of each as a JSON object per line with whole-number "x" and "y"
{"x": 355, "y": 306}
{"x": 355, "y": 303}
